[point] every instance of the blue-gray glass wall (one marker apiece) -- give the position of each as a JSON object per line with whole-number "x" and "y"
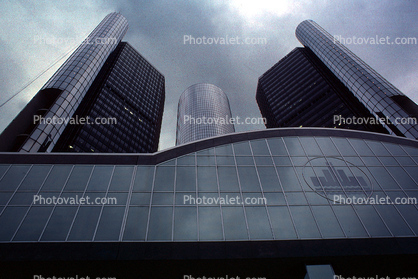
{"x": 376, "y": 93}
{"x": 296, "y": 175}
{"x": 128, "y": 90}
{"x": 299, "y": 90}
{"x": 203, "y": 112}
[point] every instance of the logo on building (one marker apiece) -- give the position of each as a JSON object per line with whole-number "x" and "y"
{"x": 329, "y": 176}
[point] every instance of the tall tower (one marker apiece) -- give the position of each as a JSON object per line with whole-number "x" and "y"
{"x": 300, "y": 90}
{"x": 128, "y": 95}
{"x": 103, "y": 78}
{"x": 381, "y": 98}
{"x": 203, "y": 111}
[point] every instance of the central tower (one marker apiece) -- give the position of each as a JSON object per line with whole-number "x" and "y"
{"x": 203, "y": 112}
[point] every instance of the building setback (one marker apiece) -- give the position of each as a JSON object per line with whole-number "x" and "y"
{"x": 300, "y": 91}
{"x": 130, "y": 91}
{"x": 381, "y": 98}
{"x": 326, "y": 85}
{"x": 203, "y": 112}
{"x": 103, "y": 79}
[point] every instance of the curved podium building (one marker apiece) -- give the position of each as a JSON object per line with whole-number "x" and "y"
{"x": 270, "y": 203}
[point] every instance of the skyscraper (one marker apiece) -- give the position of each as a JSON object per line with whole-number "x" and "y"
{"x": 324, "y": 84}
{"x": 103, "y": 78}
{"x": 128, "y": 89}
{"x": 203, "y": 111}
{"x": 380, "y": 97}
{"x": 300, "y": 90}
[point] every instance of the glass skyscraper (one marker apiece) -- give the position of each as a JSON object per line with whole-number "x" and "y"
{"x": 128, "y": 89}
{"x": 300, "y": 90}
{"x": 380, "y": 97}
{"x": 203, "y": 111}
{"x": 102, "y": 79}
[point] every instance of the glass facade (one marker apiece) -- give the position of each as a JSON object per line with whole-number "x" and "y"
{"x": 128, "y": 89}
{"x": 299, "y": 90}
{"x": 275, "y": 187}
{"x": 380, "y": 97}
{"x": 73, "y": 79}
{"x": 203, "y": 111}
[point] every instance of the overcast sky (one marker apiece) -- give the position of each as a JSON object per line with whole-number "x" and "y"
{"x": 157, "y": 30}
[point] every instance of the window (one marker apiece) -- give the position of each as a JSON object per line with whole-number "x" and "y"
{"x": 258, "y": 223}
{"x": 34, "y": 223}
{"x": 121, "y": 179}
{"x": 85, "y": 223}
{"x": 110, "y": 223}
{"x": 136, "y": 224}
{"x": 78, "y": 178}
{"x": 185, "y": 223}
{"x": 160, "y": 224}
{"x": 210, "y": 225}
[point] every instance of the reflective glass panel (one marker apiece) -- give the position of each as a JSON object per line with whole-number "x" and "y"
{"x": 210, "y": 226}
{"x": 121, "y": 179}
{"x": 78, "y": 178}
{"x": 242, "y": 148}
{"x": 281, "y": 222}
{"x": 59, "y": 224}
{"x": 34, "y": 223}
{"x": 100, "y": 178}
{"x": 349, "y": 221}
{"x": 143, "y": 178}
{"x": 248, "y": 179}
{"x": 234, "y": 223}
{"x": 258, "y": 223}
{"x": 186, "y": 179}
{"x": 164, "y": 179}
{"x": 185, "y": 223}
{"x": 35, "y": 178}
{"x": 269, "y": 179}
{"x": 327, "y": 222}
{"x": 110, "y": 223}
{"x": 304, "y": 222}
{"x": 260, "y": 148}
{"x": 288, "y": 179}
{"x": 228, "y": 180}
{"x": 136, "y": 223}
{"x": 160, "y": 223}
{"x": 85, "y": 223}
{"x": 206, "y": 179}
{"x": 13, "y": 177}
{"x": 277, "y": 146}
{"x": 10, "y": 220}
{"x": 57, "y": 178}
